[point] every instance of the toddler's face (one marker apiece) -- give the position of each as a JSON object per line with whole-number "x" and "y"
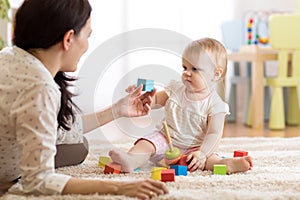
{"x": 198, "y": 72}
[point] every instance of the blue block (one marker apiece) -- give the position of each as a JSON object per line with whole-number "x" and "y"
{"x": 180, "y": 170}
{"x": 148, "y": 85}
{"x": 137, "y": 169}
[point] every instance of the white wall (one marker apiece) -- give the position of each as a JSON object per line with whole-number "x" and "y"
{"x": 193, "y": 18}
{"x": 243, "y": 6}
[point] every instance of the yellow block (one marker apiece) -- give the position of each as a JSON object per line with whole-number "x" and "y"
{"x": 156, "y": 173}
{"x": 103, "y": 160}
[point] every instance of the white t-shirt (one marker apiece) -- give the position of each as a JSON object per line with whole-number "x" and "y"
{"x": 30, "y": 101}
{"x": 187, "y": 119}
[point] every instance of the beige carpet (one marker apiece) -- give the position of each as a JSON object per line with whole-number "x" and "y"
{"x": 276, "y": 174}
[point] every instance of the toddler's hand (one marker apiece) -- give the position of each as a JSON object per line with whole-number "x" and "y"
{"x": 197, "y": 161}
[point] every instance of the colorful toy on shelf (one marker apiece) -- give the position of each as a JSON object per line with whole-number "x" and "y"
{"x": 257, "y": 27}
{"x": 240, "y": 153}
{"x": 220, "y": 169}
{"x": 263, "y": 40}
{"x": 249, "y": 30}
{"x": 148, "y": 85}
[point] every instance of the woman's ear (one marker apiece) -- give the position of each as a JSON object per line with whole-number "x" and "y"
{"x": 67, "y": 40}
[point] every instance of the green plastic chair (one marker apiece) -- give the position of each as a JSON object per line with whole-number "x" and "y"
{"x": 285, "y": 36}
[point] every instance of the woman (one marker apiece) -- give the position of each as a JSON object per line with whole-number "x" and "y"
{"x": 36, "y": 110}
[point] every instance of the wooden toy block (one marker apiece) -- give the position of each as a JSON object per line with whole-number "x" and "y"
{"x": 168, "y": 175}
{"x": 156, "y": 173}
{"x": 148, "y": 85}
{"x": 220, "y": 169}
{"x": 137, "y": 169}
{"x": 223, "y": 156}
{"x": 103, "y": 160}
{"x": 112, "y": 168}
{"x": 182, "y": 161}
{"x": 239, "y": 153}
{"x": 172, "y": 161}
{"x": 180, "y": 170}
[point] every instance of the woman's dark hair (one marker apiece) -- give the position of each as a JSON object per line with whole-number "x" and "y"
{"x": 42, "y": 24}
{"x": 67, "y": 105}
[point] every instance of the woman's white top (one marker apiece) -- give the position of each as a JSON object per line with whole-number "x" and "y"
{"x": 29, "y": 105}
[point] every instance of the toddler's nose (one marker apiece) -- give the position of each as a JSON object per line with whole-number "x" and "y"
{"x": 187, "y": 73}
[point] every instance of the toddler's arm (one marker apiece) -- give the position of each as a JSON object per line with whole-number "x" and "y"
{"x": 159, "y": 100}
{"x": 210, "y": 142}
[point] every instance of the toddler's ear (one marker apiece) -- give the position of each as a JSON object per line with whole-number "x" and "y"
{"x": 218, "y": 74}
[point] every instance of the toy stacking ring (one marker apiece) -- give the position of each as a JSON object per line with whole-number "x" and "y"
{"x": 173, "y": 152}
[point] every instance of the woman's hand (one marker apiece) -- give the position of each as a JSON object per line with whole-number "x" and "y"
{"x": 135, "y": 103}
{"x": 142, "y": 189}
{"x": 197, "y": 160}
{"x": 145, "y": 189}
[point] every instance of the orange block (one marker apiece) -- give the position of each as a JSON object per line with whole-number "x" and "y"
{"x": 112, "y": 168}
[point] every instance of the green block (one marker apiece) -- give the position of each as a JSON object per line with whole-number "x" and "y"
{"x": 220, "y": 169}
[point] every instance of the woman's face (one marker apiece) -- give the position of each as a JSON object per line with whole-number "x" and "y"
{"x": 79, "y": 46}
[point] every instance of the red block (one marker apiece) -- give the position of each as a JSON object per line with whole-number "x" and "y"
{"x": 173, "y": 161}
{"x": 182, "y": 161}
{"x": 168, "y": 175}
{"x": 240, "y": 153}
{"x": 112, "y": 168}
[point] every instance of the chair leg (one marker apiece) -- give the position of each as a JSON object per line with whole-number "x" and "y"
{"x": 248, "y": 121}
{"x": 248, "y": 105}
{"x": 232, "y": 104}
{"x": 293, "y": 107}
{"x": 267, "y": 101}
{"x": 277, "y": 119}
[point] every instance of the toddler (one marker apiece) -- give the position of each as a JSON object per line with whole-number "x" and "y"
{"x": 195, "y": 114}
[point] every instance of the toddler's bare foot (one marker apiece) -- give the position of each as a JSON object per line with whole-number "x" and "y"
{"x": 239, "y": 164}
{"x": 128, "y": 161}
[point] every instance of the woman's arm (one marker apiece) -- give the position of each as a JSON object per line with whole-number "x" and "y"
{"x": 143, "y": 189}
{"x": 95, "y": 120}
{"x": 133, "y": 105}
